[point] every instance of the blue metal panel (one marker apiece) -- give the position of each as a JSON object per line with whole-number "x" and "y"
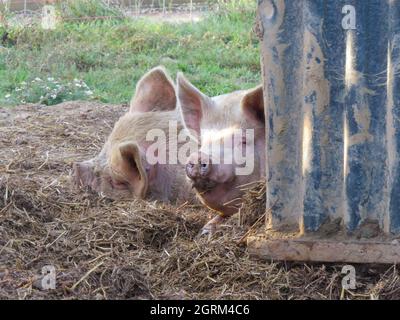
{"x": 376, "y": 63}
{"x": 333, "y": 110}
{"x": 357, "y": 120}
{"x": 283, "y": 178}
{"x": 393, "y": 106}
{"x": 333, "y": 45}
{"x": 322, "y": 176}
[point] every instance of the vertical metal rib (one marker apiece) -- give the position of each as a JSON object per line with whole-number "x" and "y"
{"x": 282, "y": 52}
{"x": 323, "y": 95}
{"x": 315, "y": 102}
{"x": 376, "y": 72}
{"x": 392, "y": 223}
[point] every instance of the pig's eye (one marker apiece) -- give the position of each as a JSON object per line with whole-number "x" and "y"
{"x": 244, "y": 141}
{"x": 119, "y": 184}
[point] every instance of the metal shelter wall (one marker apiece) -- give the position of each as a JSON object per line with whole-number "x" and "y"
{"x": 332, "y": 91}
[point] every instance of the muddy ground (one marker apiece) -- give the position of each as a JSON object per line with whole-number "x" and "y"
{"x": 103, "y": 249}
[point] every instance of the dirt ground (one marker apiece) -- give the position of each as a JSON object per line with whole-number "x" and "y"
{"x": 103, "y": 249}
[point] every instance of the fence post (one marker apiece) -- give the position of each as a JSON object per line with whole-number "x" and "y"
{"x": 191, "y": 10}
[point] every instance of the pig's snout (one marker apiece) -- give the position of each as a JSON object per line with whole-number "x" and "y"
{"x": 198, "y": 166}
{"x": 83, "y": 175}
{"x": 77, "y": 174}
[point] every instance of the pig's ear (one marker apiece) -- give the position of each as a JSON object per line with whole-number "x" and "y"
{"x": 133, "y": 169}
{"x": 155, "y": 91}
{"x": 192, "y": 104}
{"x": 253, "y": 105}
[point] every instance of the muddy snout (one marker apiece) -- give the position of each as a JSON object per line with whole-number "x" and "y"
{"x": 77, "y": 174}
{"x": 83, "y": 176}
{"x": 199, "y": 169}
{"x": 198, "y": 166}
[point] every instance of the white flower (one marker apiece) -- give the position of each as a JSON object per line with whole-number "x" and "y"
{"x": 23, "y": 83}
{"x": 50, "y": 79}
{"x": 17, "y": 89}
{"x": 8, "y": 95}
{"x": 89, "y": 92}
{"x": 38, "y": 79}
{"x": 78, "y": 85}
{"x": 53, "y": 96}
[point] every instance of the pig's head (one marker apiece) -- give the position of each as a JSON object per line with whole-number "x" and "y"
{"x": 118, "y": 171}
{"x": 231, "y": 132}
{"x": 121, "y": 169}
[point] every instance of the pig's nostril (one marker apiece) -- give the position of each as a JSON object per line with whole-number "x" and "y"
{"x": 190, "y": 170}
{"x": 204, "y": 169}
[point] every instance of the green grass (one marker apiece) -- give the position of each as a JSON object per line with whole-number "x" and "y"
{"x": 218, "y": 54}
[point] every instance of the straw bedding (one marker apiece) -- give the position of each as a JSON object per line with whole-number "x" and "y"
{"x": 104, "y": 249}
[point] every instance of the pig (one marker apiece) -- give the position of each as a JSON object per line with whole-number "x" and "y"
{"x": 121, "y": 170}
{"x": 213, "y": 119}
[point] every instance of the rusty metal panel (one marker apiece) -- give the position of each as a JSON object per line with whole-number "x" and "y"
{"x": 331, "y": 72}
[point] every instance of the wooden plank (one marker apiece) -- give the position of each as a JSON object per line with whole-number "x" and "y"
{"x": 324, "y": 251}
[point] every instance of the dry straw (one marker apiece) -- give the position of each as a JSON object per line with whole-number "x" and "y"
{"x": 104, "y": 249}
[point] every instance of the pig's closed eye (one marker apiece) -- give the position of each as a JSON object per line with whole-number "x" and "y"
{"x": 119, "y": 184}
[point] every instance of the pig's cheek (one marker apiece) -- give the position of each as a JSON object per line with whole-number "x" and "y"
{"x": 223, "y": 174}
{"x": 151, "y": 172}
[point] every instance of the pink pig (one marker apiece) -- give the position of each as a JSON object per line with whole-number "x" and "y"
{"x": 122, "y": 170}
{"x": 235, "y": 123}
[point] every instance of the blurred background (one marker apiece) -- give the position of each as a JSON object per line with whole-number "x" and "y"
{"x": 98, "y": 49}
